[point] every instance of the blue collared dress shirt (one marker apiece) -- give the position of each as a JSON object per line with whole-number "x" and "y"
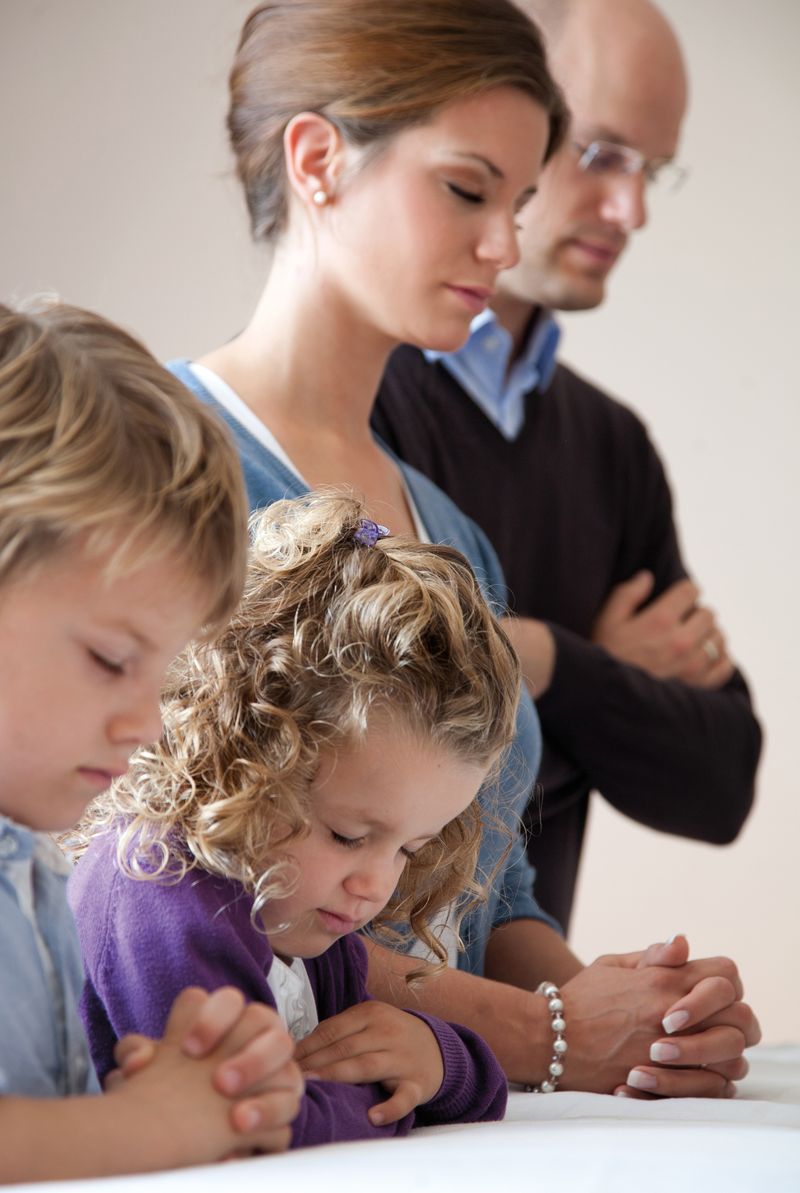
{"x": 482, "y": 369}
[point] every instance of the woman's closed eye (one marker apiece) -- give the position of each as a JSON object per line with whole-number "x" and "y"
{"x": 467, "y": 195}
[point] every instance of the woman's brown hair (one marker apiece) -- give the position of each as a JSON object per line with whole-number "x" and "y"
{"x": 373, "y": 68}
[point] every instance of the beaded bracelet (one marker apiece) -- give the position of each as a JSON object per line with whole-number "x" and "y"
{"x": 559, "y": 1025}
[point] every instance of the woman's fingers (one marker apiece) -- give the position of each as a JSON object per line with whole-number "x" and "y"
{"x": 710, "y": 1047}
{"x": 680, "y": 1083}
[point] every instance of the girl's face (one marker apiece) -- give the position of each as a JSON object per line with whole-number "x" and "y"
{"x": 414, "y": 240}
{"x": 371, "y": 807}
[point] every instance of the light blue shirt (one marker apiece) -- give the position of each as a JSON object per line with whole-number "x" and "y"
{"x": 43, "y": 1050}
{"x": 481, "y": 368}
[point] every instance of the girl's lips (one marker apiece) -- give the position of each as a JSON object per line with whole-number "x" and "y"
{"x": 337, "y": 925}
{"x": 476, "y": 298}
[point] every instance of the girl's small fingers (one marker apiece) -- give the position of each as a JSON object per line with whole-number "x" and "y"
{"x": 709, "y": 1047}
{"x": 357, "y": 1070}
{"x": 331, "y": 1032}
{"x": 344, "y": 1049}
{"x": 680, "y": 1083}
{"x": 401, "y": 1103}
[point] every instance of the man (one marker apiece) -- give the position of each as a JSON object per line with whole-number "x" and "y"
{"x": 636, "y": 692}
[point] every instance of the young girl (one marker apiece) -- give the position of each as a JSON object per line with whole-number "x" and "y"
{"x": 121, "y": 534}
{"x": 317, "y": 773}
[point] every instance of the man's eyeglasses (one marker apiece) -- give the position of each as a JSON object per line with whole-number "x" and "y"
{"x": 607, "y": 157}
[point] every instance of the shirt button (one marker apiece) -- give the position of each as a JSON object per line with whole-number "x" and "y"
{"x": 8, "y": 845}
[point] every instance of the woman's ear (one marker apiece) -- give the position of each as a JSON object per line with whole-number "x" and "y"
{"x": 314, "y": 154}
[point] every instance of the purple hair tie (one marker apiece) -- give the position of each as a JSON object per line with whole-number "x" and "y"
{"x": 367, "y": 533}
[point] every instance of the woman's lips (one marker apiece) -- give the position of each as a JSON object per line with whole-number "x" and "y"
{"x": 475, "y": 298}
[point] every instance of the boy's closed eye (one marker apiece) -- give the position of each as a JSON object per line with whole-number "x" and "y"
{"x": 106, "y": 663}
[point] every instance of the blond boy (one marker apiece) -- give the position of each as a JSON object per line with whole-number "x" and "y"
{"x": 122, "y": 533}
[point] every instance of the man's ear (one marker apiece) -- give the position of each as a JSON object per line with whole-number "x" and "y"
{"x": 314, "y": 154}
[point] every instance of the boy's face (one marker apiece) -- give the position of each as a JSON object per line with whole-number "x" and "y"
{"x": 82, "y": 660}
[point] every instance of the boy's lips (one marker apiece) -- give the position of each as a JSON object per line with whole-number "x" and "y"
{"x": 99, "y": 776}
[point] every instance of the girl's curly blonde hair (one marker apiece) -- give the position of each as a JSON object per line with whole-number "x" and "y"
{"x": 329, "y": 636}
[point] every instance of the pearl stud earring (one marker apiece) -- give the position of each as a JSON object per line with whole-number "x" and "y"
{"x": 320, "y": 197}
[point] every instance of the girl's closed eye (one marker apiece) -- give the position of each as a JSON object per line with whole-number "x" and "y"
{"x": 347, "y": 842}
{"x": 467, "y": 195}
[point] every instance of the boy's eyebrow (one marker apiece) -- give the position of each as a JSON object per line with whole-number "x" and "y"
{"x": 126, "y": 627}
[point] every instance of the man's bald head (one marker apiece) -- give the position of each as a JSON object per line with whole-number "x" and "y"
{"x": 621, "y": 69}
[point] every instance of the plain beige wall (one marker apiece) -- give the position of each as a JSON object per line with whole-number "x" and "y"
{"x": 116, "y": 192}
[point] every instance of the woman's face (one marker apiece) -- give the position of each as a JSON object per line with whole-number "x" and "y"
{"x": 414, "y": 240}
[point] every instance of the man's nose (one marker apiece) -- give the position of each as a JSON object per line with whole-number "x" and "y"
{"x": 624, "y": 201}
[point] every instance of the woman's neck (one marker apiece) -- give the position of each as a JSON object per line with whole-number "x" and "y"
{"x": 305, "y": 359}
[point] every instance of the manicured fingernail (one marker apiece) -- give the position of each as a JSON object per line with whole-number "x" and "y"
{"x": 621, "y": 1093}
{"x": 192, "y": 1045}
{"x": 673, "y": 938}
{"x": 662, "y": 1052}
{"x": 639, "y": 1080}
{"x": 229, "y": 1080}
{"x": 376, "y": 1118}
{"x": 675, "y": 1021}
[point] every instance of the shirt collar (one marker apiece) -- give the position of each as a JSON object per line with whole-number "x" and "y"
{"x": 481, "y": 367}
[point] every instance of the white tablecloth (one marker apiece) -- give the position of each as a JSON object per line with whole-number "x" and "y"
{"x": 558, "y": 1143}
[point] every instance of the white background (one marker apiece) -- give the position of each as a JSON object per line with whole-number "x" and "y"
{"x": 116, "y": 191}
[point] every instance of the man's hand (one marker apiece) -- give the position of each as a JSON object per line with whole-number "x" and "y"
{"x": 376, "y": 1042}
{"x": 671, "y": 638}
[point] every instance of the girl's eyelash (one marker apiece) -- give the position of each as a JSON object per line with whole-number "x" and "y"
{"x": 348, "y": 842}
{"x": 468, "y": 196}
{"x": 107, "y": 664}
{"x": 409, "y": 853}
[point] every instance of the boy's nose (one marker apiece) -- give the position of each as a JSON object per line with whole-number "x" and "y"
{"x": 138, "y": 723}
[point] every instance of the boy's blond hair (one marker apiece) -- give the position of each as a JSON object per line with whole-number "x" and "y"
{"x": 98, "y": 442}
{"x": 332, "y": 639}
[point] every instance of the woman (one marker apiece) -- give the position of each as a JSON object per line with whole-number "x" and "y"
{"x": 385, "y": 151}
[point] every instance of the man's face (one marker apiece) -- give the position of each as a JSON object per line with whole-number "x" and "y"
{"x": 623, "y": 84}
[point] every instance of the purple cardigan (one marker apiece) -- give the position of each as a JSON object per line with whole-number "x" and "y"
{"x": 143, "y": 942}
